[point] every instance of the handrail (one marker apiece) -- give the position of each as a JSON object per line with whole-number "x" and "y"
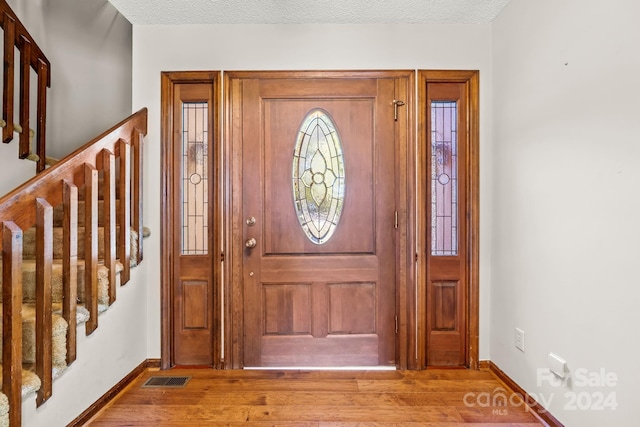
{"x": 117, "y": 151}
{"x": 31, "y": 56}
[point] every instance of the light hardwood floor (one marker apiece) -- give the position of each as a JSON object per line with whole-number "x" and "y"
{"x": 435, "y": 397}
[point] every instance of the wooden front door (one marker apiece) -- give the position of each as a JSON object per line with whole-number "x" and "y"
{"x": 315, "y": 208}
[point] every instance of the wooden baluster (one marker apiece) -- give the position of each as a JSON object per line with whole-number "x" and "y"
{"x": 124, "y": 216}
{"x": 9, "y": 26}
{"x": 70, "y": 265}
{"x": 109, "y": 199}
{"x": 136, "y": 206}
{"x": 91, "y": 246}
{"x": 44, "y": 260}
{"x": 43, "y": 78}
{"x": 25, "y": 82}
{"x": 12, "y": 320}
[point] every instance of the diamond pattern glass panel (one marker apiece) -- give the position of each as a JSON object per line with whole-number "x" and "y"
{"x": 444, "y": 178}
{"x": 195, "y": 185}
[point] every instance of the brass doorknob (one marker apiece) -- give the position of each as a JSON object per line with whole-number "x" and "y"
{"x": 251, "y": 243}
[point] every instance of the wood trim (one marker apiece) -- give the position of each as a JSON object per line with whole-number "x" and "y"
{"x": 544, "y": 416}
{"x": 166, "y": 265}
{"x": 110, "y": 396}
{"x": 405, "y": 182}
{"x": 316, "y": 74}
{"x": 169, "y": 79}
{"x": 234, "y": 324}
{"x": 471, "y": 80}
{"x": 473, "y": 193}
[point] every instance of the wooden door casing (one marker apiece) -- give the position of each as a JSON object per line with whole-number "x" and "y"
{"x": 304, "y": 304}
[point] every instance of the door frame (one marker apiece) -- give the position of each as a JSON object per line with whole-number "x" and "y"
{"x": 410, "y": 301}
{"x": 234, "y": 322}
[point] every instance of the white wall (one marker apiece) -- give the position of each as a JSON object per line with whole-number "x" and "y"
{"x": 90, "y": 49}
{"x": 565, "y": 200}
{"x": 14, "y": 171}
{"x": 312, "y": 47}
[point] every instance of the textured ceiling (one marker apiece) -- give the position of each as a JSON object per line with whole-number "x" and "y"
{"x": 141, "y": 12}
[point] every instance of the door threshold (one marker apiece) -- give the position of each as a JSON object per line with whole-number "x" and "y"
{"x": 320, "y": 368}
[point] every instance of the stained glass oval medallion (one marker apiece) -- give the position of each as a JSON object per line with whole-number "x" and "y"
{"x": 318, "y": 176}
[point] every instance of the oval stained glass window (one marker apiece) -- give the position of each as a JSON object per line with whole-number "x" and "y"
{"x": 318, "y": 176}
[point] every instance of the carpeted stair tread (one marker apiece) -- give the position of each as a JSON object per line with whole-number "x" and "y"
{"x": 29, "y": 277}
{"x": 29, "y": 242}
{"x": 30, "y": 382}
{"x": 29, "y": 250}
{"x": 59, "y": 336}
{"x": 58, "y": 213}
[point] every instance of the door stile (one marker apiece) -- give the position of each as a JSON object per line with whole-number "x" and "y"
{"x": 252, "y": 208}
{"x": 234, "y": 302}
{"x": 405, "y": 235}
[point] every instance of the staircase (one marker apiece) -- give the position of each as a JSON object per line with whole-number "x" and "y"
{"x": 68, "y": 237}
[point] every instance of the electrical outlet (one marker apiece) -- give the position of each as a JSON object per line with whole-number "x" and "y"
{"x": 520, "y": 339}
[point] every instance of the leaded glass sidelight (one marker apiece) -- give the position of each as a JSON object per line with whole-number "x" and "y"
{"x": 195, "y": 183}
{"x": 444, "y": 178}
{"x": 318, "y": 176}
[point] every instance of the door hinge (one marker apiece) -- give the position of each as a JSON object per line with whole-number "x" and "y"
{"x": 395, "y": 221}
{"x": 396, "y": 323}
{"x": 396, "y": 104}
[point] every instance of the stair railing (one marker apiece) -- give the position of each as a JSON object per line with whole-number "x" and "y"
{"x": 118, "y": 151}
{"x": 31, "y": 57}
